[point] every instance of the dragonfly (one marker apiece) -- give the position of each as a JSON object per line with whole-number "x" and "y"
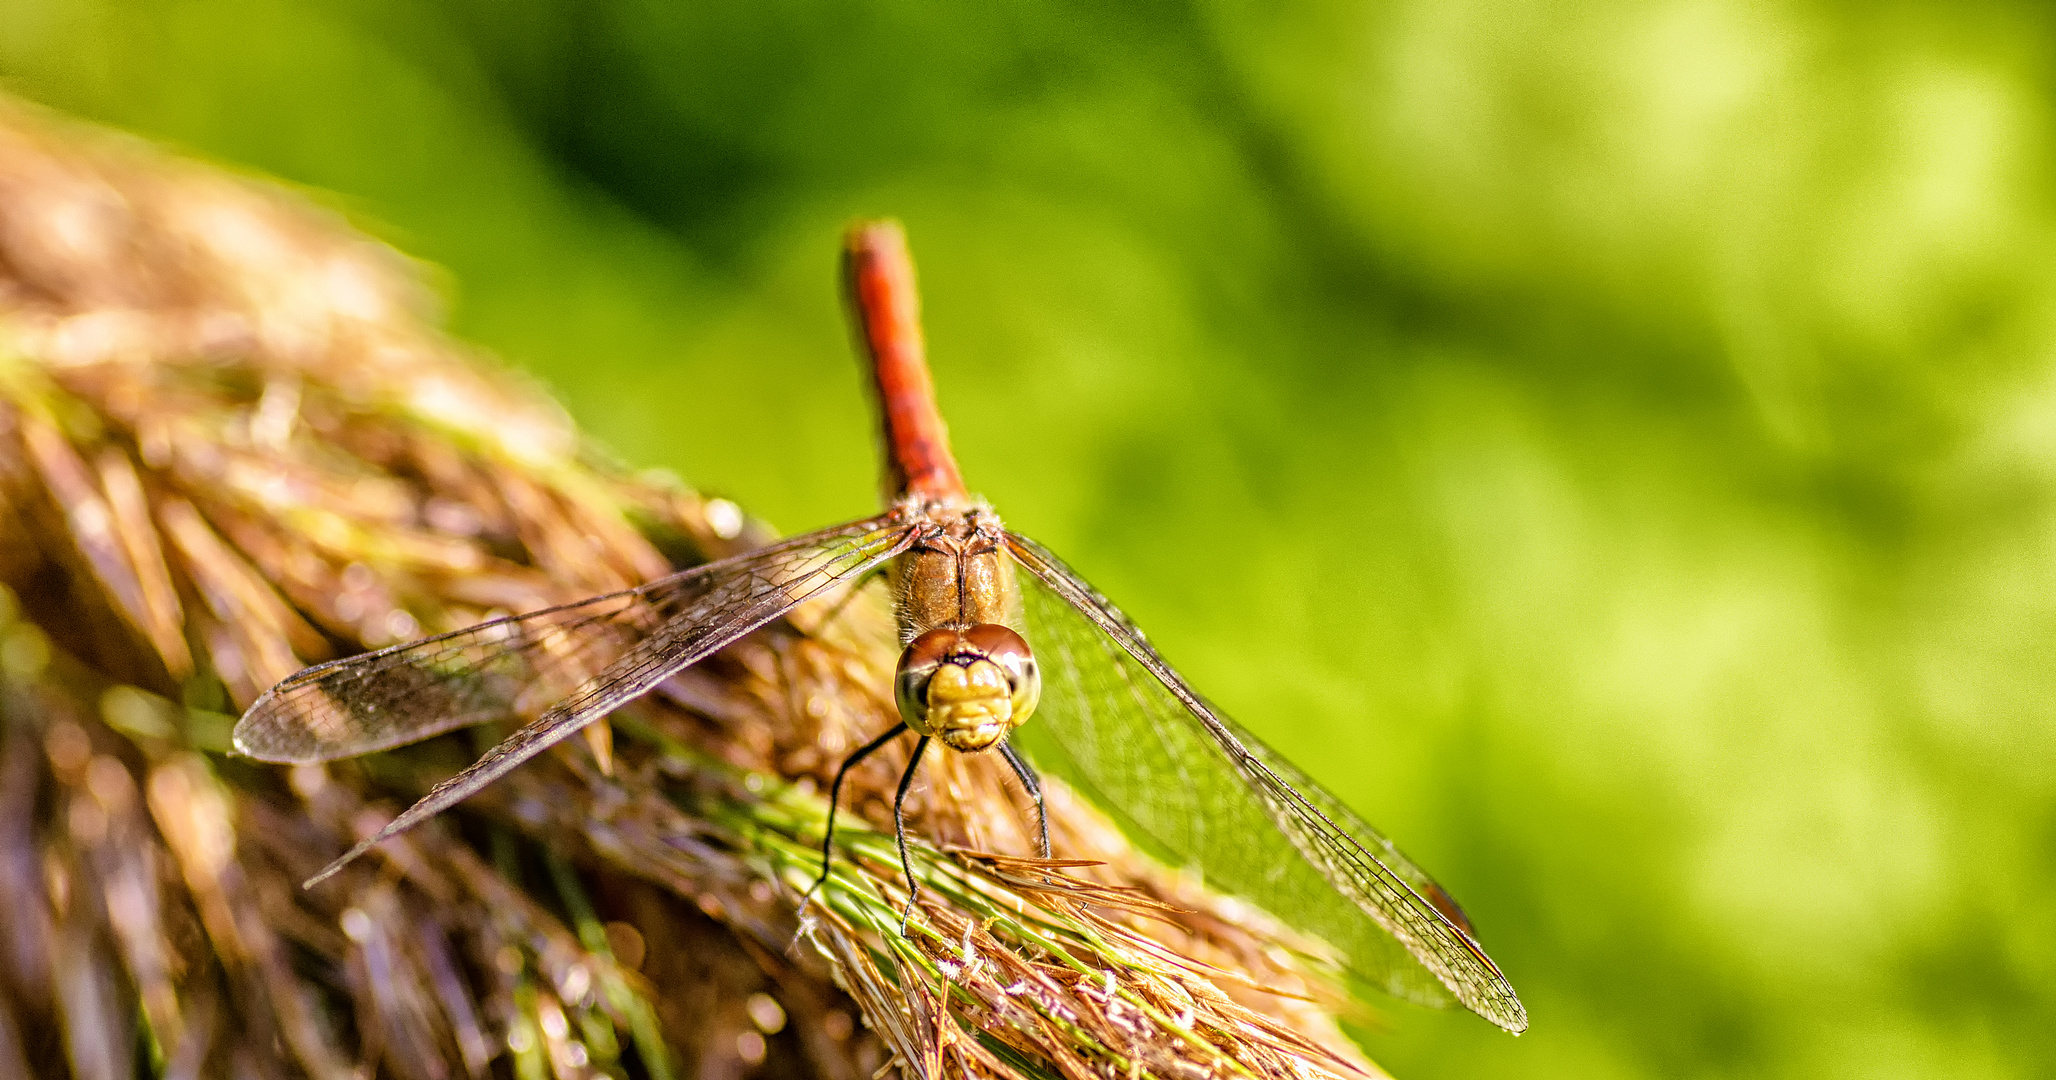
{"x": 970, "y": 595}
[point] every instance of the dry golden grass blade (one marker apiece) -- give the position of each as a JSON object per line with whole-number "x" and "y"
{"x": 163, "y": 620}
{"x": 231, "y": 443}
{"x": 87, "y": 517}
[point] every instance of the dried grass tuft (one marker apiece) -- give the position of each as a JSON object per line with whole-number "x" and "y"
{"x": 231, "y": 443}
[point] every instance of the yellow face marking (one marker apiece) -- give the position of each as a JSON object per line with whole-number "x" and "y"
{"x": 970, "y": 706}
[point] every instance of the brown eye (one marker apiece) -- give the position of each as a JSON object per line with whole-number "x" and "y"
{"x": 1011, "y": 652}
{"x": 917, "y": 665}
{"x": 910, "y": 693}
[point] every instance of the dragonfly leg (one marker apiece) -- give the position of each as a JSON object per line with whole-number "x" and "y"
{"x": 834, "y": 793}
{"x": 899, "y": 829}
{"x": 1034, "y": 787}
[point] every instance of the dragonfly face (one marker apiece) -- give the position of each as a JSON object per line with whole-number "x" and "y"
{"x": 969, "y": 687}
{"x": 966, "y": 677}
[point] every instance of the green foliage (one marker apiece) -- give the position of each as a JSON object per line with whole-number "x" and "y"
{"x": 1610, "y": 444}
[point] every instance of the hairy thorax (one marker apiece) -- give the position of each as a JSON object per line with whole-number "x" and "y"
{"x": 960, "y": 576}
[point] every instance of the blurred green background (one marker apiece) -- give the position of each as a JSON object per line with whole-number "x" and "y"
{"x": 1614, "y": 444}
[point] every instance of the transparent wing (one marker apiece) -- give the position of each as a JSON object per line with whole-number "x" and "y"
{"x": 566, "y": 666}
{"x": 1193, "y": 782}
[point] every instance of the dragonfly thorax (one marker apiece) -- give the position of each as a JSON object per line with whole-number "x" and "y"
{"x": 956, "y": 574}
{"x": 967, "y": 686}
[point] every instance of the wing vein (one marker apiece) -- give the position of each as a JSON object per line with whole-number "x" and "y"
{"x": 589, "y": 658}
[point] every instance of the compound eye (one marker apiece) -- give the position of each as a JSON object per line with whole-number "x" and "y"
{"x": 917, "y": 665}
{"x": 1011, "y": 652}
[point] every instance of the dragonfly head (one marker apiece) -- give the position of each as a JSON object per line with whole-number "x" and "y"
{"x": 967, "y": 686}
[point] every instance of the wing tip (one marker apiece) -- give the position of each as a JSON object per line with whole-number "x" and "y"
{"x": 1495, "y": 1003}
{"x": 327, "y": 872}
{"x": 393, "y": 828}
{"x": 255, "y": 737}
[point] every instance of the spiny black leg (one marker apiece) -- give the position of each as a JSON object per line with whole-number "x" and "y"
{"x": 835, "y": 792}
{"x": 899, "y": 828}
{"x": 1034, "y": 787}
